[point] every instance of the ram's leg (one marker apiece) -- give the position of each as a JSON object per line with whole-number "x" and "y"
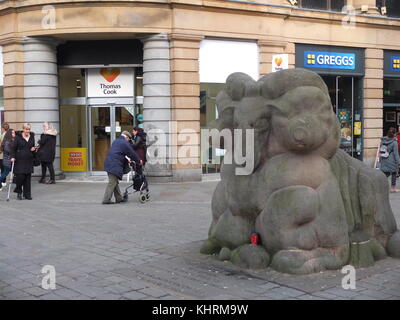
{"x": 302, "y": 231}
{"x": 296, "y": 261}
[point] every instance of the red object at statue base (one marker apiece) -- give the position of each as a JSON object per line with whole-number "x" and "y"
{"x": 255, "y": 239}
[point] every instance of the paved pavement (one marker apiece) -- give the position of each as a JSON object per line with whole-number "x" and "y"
{"x": 147, "y": 251}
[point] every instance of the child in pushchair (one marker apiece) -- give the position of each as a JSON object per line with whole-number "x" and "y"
{"x": 139, "y": 183}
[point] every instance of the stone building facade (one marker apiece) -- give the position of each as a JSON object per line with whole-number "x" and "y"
{"x": 177, "y": 54}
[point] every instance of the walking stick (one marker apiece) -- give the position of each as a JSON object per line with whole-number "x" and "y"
{"x": 12, "y": 179}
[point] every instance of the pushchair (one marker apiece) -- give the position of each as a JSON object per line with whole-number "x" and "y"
{"x": 139, "y": 183}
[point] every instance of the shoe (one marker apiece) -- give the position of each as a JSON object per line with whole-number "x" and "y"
{"x": 394, "y": 190}
{"x": 42, "y": 180}
{"x": 3, "y": 184}
{"x": 28, "y": 198}
{"x": 19, "y": 196}
{"x": 108, "y": 202}
{"x": 50, "y": 182}
{"x": 120, "y": 201}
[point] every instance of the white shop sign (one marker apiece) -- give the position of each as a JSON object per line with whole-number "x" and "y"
{"x": 110, "y": 82}
{"x": 280, "y": 62}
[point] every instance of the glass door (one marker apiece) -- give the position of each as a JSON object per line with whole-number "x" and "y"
{"x": 124, "y": 119}
{"x": 106, "y": 124}
{"x": 346, "y": 98}
{"x": 100, "y": 134}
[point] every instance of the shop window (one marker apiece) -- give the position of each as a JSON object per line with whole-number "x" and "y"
{"x": 73, "y": 127}
{"x": 392, "y": 7}
{"x": 72, "y": 83}
{"x": 208, "y": 112}
{"x": 217, "y": 60}
{"x": 391, "y": 91}
{"x": 331, "y": 5}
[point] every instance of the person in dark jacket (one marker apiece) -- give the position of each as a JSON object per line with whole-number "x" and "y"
{"x": 47, "y": 152}
{"x": 22, "y": 155}
{"x": 114, "y": 166}
{"x": 139, "y": 143}
{"x": 6, "y": 147}
{"x": 390, "y": 160}
{"x": 4, "y": 128}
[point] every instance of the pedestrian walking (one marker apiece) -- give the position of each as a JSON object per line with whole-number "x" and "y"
{"x": 47, "y": 152}
{"x": 4, "y": 128}
{"x": 139, "y": 138}
{"x": 6, "y": 148}
{"x": 22, "y": 155}
{"x": 114, "y": 166}
{"x": 389, "y": 157}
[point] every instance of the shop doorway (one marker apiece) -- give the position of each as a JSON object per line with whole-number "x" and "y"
{"x": 346, "y": 97}
{"x": 106, "y": 123}
{"x": 391, "y": 118}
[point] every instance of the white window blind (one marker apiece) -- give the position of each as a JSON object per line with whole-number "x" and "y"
{"x": 219, "y": 58}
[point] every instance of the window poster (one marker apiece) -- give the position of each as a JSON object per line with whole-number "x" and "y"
{"x": 344, "y": 116}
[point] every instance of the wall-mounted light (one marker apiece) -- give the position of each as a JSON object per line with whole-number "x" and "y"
{"x": 383, "y": 10}
{"x": 293, "y": 2}
{"x": 78, "y": 84}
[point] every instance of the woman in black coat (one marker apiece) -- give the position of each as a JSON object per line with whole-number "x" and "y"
{"x": 47, "y": 152}
{"x": 139, "y": 143}
{"x": 22, "y": 155}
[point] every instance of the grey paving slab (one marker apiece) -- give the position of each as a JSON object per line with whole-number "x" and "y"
{"x": 134, "y": 295}
{"x": 151, "y": 251}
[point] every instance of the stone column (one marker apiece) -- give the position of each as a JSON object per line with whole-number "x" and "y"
{"x": 270, "y": 47}
{"x": 13, "y": 59}
{"x": 157, "y": 99}
{"x": 373, "y": 103}
{"x": 185, "y": 89}
{"x": 41, "y": 87}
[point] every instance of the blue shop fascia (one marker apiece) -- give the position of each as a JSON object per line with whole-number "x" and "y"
{"x": 391, "y": 90}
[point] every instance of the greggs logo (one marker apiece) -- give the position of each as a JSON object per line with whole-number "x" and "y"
{"x": 329, "y": 60}
{"x": 395, "y": 63}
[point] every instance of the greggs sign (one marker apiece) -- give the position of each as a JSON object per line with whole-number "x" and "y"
{"x": 110, "y": 82}
{"x": 329, "y": 60}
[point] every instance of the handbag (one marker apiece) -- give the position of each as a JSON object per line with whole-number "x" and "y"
{"x": 36, "y": 158}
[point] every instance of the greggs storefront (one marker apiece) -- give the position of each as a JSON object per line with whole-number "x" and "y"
{"x": 342, "y": 69}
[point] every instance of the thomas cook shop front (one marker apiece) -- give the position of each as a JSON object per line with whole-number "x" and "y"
{"x": 342, "y": 69}
{"x": 100, "y": 97}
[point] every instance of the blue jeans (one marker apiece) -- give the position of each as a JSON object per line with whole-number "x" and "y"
{"x": 4, "y": 174}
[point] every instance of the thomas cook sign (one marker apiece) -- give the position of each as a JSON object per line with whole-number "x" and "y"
{"x": 110, "y": 82}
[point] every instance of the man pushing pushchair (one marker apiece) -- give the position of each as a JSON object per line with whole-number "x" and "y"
{"x": 115, "y": 165}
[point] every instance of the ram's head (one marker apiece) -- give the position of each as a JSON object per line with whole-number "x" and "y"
{"x": 290, "y": 111}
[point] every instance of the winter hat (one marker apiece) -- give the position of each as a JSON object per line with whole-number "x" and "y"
{"x": 126, "y": 133}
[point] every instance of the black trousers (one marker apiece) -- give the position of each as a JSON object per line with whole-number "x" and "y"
{"x": 394, "y": 176}
{"x": 49, "y": 165}
{"x": 23, "y": 182}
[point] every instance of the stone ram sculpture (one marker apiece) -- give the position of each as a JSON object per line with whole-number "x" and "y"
{"x": 314, "y": 207}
